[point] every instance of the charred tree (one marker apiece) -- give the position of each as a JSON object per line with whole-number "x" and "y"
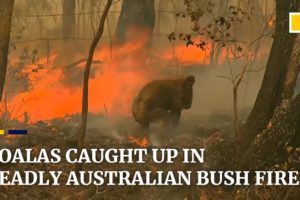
{"x": 6, "y": 9}
{"x": 270, "y": 93}
{"x": 138, "y": 15}
{"x": 271, "y": 145}
{"x": 68, "y": 18}
{"x": 85, "y": 90}
{"x": 292, "y": 71}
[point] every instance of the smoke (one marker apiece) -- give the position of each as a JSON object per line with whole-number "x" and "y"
{"x": 213, "y": 90}
{"x": 112, "y": 86}
{"x": 119, "y": 72}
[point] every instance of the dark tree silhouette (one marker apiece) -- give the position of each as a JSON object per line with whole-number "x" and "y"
{"x": 135, "y": 13}
{"x": 273, "y": 124}
{"x": 271, "y": 92}
{"x": 6, "y": 9}
{"x": 69, "y": 17}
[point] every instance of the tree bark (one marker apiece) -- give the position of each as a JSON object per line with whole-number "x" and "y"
{"x": 68, "y": 18}
{"x": 270, "y": 93}
{"x": 138, "y": 14}
{"x": 6, "y": 9}
{"x": 85, "y": 92}
{"x": 293, "y": 70}
{"x": 270, "y": 146}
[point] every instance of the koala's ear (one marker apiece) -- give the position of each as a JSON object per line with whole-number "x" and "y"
{"x": 189, "y": 80}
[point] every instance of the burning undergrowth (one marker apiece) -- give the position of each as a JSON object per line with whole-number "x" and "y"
{"x": 60, "y": 133}
{"x": 55, "y": 89}
{"x": 111, "y": 88}
{"x": 49, "y": 109}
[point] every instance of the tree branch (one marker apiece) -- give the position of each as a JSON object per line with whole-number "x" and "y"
{"x": 85, "y": 91}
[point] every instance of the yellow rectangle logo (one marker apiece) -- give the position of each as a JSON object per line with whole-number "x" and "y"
{"x": 1, "y": 132}
{"x": 294, "y": 20}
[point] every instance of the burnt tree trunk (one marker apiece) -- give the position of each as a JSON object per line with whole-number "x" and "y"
{"x": 270, "y": 93}
{"x": 270, "y": 146}
{"x": 6, "y": 9}
{"x": 283, "y": 129}
{"x": 292, "y": 71}
{"x": 137, "y": 14}
{"x": 68, "y": 18}
{"x": 85, "y": 89}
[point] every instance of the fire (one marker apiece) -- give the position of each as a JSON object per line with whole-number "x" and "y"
{"x": 270, "y": 23}
{"x": 116, "y": 80}
{"x": 187, "y": 55}
{"x": 141, "y": 142}
{"x": 112, "y": 88}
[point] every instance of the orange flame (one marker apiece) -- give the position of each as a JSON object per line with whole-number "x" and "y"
{"x": 114, "y": 85}
{"x": 270, "y": 23}
{"x": 121, "y": 73}
{"x": 187, "y": 55}
{"x": 141, "y": 142}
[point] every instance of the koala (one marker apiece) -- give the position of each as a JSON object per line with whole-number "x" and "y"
{"x": 163, "y": 99}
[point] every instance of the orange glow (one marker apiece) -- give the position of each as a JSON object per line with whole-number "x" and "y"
{"x": 113, "y": 87}
{"x": 188, "y": 55}
{"x": 269, "y": 125}
{"x": 271, "y": 23}
{"x": 141, "y": 142}
{"x": 11, "y": 137}
{"x": 116, "y": 81}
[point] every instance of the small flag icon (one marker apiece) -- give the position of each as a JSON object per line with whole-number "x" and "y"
{"x": 294, "y": 22}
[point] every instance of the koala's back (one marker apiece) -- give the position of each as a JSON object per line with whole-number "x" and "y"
{"x": 156, "y": 94}
{"x": 161, "y": 90}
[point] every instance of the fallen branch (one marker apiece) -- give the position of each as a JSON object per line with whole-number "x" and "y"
{"x": 80, "y": 61}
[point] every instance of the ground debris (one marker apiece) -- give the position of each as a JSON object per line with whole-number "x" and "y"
{"x": 62, "y": 133}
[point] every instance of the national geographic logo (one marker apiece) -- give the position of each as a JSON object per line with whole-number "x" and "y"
{"x": 294, "y": 20}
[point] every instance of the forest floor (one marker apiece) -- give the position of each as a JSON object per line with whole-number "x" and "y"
{"x": 103, "y": 133}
